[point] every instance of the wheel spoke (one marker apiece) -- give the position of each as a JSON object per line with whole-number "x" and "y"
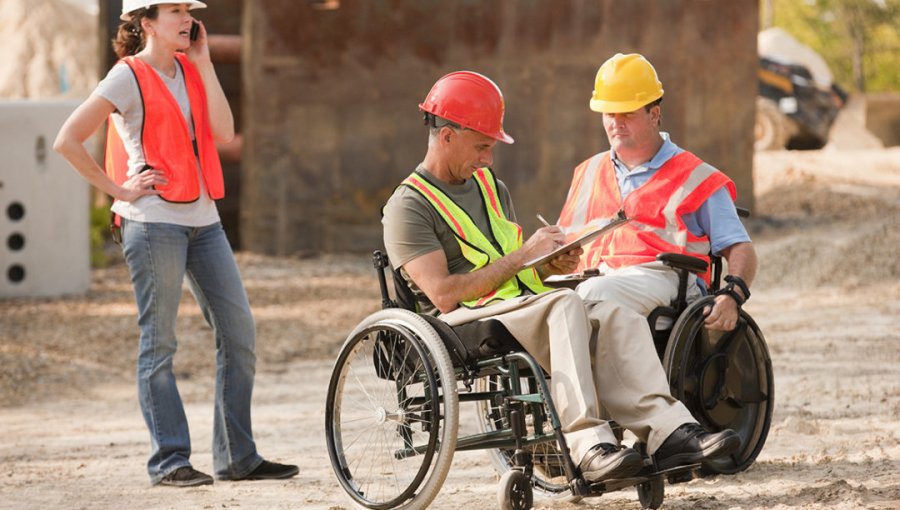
{"x": 384, "y": 414}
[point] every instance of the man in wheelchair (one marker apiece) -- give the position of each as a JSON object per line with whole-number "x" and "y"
{"x": 676, "y": 203}
{"x": 450, "y": 230}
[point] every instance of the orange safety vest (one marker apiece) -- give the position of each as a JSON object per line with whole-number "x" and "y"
{"x": 655, "y": 209}
{"x": 165, "y": 138}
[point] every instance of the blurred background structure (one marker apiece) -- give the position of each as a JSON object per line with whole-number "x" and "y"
{"x": 330, "y": 92}
{"x": 49, "y": 63}
{"x": 325, "y": 92}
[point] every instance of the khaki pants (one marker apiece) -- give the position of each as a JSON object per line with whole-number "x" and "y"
{"x": 641, "y": 288}
{"x": 589, "y": 351}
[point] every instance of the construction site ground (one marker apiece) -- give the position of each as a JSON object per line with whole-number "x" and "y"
{"x": 827, "y": 229}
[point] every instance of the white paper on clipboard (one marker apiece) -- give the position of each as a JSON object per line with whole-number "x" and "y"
{"x": 583, "y": 239}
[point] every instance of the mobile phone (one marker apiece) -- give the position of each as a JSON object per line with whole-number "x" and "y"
{"x": 195, "y": 30}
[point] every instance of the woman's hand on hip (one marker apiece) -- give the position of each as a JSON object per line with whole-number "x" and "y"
{"x": 142, "y": 184}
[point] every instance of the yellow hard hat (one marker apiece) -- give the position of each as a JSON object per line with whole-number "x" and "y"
{"x": 625, "y": 83}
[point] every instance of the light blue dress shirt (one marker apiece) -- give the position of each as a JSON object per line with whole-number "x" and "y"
{"x": 716, "y": 218}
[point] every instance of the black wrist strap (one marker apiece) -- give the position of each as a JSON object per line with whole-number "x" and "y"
{"x": 735, "y": 281}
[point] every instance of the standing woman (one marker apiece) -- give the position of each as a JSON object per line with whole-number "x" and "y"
{"x": 166, "y": 110}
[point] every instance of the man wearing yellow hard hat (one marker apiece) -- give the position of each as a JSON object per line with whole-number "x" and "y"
{"x": 675, "y": 201}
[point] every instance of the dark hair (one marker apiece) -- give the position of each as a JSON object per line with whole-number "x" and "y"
{"x": 130, "y": 37}
{"x": 650, "y": 106}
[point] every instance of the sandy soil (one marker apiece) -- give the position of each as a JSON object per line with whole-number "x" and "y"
{"x": 827, "y": 298}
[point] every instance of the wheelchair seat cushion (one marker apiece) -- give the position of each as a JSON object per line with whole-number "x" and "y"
{"x": 475, "y": 340}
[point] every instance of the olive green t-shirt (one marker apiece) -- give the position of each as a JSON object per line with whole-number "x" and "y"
{"x": 412, "y": 227}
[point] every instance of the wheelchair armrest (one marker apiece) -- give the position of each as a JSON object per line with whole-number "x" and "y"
{"x": 680, "y": 261}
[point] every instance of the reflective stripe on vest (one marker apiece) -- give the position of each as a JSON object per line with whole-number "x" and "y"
{"x": 474, "y": 244}
{"x": 165, "y": 138}
{"x": 655, "y": 208}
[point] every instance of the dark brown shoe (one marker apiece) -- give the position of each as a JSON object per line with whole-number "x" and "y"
{"x": 606, "y": 461}
{"x": 186, "y": 476}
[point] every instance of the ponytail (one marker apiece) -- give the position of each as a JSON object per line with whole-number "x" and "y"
{"x": 130, "y": 38}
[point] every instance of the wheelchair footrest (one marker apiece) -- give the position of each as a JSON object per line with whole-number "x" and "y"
{"x": 682, "y": 474}
{"x": 678, "y": 474}
{"x": 615, "y": 484}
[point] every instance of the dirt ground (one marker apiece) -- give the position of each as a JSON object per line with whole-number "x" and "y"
{"x": 827, "y": 298}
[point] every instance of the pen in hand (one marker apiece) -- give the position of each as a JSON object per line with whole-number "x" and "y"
{"x": 547, "y": 224}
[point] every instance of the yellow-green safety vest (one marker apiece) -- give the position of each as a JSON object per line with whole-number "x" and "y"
{"x": 480, "y": 251}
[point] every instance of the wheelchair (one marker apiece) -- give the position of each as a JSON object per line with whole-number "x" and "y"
{"x": 392, "y": 405}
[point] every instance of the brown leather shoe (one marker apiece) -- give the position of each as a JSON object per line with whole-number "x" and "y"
{"x": 606, "y": 461}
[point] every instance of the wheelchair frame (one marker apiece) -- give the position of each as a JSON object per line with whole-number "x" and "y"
{"x": 418, "y": 364}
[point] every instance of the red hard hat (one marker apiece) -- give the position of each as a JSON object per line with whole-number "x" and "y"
{"x": 471, "y": 100}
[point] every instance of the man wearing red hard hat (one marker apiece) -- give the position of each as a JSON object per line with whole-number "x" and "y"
{"x": 450, "y": 230}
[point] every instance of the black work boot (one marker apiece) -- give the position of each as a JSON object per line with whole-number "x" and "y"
{"x": 606, "y": 461}
{"x": 691, "y": 443}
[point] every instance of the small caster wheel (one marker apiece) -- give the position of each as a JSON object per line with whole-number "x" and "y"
{"x": 652, "y": 492}
{"x": 515, "y": 491}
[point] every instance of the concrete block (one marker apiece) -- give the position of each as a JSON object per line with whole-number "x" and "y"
{"x": 44, "y": 212}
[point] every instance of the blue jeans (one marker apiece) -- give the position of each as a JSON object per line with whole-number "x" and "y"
{"x": 159, "y": 256}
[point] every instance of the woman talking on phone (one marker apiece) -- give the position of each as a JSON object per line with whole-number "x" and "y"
{"x": 167, "y": 110}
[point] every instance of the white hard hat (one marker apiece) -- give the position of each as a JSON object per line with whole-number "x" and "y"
{"x": 129, "y": 6}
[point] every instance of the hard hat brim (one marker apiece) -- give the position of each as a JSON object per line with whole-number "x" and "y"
{"x": 502, "y": 136}
{"x": 194, "y": 4}
{"x": 619, "y": 106}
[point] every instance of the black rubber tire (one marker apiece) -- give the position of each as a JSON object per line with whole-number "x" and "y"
{"x": 725, "y": 380}
{"x": 652, "y": 493}
{"x": 514, "y": 491}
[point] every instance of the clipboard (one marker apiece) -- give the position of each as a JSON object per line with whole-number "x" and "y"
{"x": 580, "y": 241}
{"x": 571, "y": 280}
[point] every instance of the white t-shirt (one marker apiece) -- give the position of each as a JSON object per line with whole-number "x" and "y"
{"x": 120, "y": 88}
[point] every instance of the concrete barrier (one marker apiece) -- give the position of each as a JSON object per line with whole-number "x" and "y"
{"x": 44, "y": 213}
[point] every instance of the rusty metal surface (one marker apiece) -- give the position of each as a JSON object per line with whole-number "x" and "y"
{"x": 225, "y": 49}
{"x": 330, "y": 95}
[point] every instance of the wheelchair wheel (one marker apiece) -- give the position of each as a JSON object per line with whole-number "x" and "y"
{"x": 652, "y": 493}
{"x": 392, "y": 412}
{"x": 548, "y": 477}
{"x": 514, "y": 491}
{"x": 725, "y": 380}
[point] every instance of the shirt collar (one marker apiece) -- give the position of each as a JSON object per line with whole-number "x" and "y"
{"x": 665, "y": 152}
